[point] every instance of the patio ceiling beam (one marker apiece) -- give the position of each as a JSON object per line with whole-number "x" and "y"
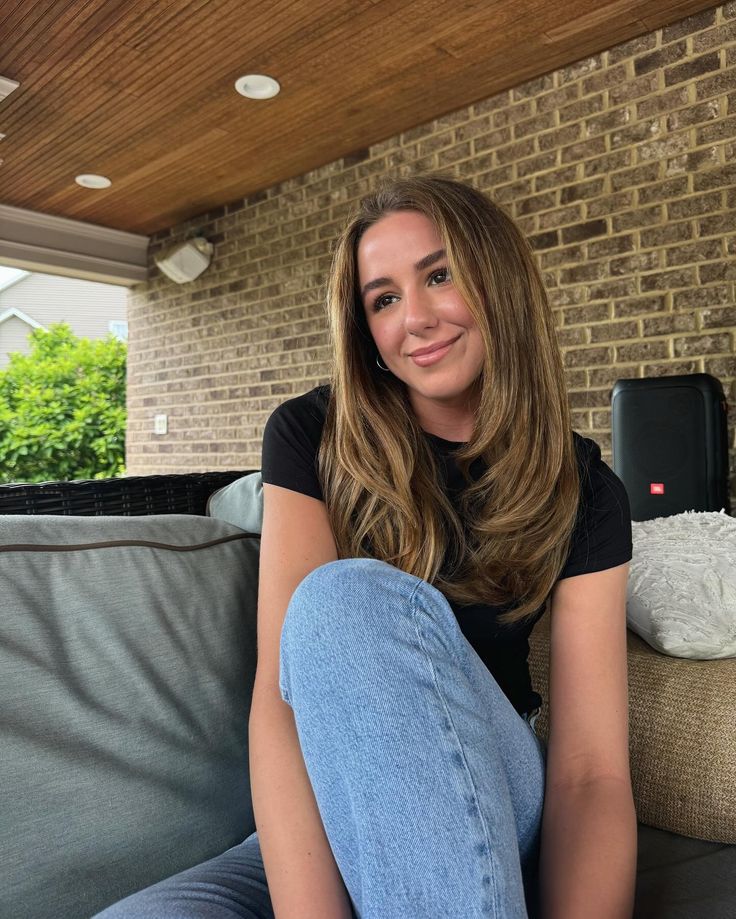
{"x": 57, "y": 245}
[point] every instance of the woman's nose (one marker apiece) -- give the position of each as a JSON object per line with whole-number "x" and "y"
{"x": 418, "y": 311}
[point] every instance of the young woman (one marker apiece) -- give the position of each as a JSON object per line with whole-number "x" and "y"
{"x": 420, "y": 514}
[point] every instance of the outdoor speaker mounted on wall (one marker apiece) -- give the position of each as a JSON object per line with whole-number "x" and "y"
{"x": 185, "y": 261}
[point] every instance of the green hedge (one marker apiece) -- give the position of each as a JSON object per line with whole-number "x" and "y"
{"x": 62, "y": 408}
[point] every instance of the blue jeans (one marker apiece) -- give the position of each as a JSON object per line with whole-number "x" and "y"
{"x": 430, "y": 785}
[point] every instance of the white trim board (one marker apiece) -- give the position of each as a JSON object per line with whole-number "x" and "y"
{"x": 8, "y": 314}
{"x": 57, "y": 245}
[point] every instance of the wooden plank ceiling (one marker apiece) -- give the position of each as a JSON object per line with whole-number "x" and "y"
{"x": 142, "y": 91}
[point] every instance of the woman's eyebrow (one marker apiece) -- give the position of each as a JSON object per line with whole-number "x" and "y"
{"x": 419, "y": 266}
{"x": 429, "y": 259}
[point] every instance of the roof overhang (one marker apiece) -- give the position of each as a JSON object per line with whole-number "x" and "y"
{"x": 57, "y": 245}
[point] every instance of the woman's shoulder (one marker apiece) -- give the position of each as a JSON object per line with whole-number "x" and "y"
{"x": 304, "y": 412}
{"x": 291, "y": 441}
{"x": 602, "y": 535}
{"x": 595, "y": 473}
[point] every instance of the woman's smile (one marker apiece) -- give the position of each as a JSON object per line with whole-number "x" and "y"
{"x": 425, "y": 357}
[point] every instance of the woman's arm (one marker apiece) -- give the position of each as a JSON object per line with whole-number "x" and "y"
{"x": 303, "y": 879}
{"x": 588, "y": 849}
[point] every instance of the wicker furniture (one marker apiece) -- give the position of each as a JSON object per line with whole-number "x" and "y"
{"x": 679, "y": 877}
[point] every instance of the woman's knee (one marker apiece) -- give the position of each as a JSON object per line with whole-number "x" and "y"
{"x": 338, "y": 591}
{"x": 337, "y": 607}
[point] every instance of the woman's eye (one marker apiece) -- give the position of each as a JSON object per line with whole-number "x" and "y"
{"x": 440, "y": 276}
{"x": 380, "y": 302}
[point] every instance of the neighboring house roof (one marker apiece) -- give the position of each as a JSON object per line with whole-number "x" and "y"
{"x": 20, "y": 315}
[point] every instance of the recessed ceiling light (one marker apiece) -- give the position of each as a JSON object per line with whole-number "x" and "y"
{"x": 257, "y": 86}
{"x": 7, "y": 86}
{"x": 89, "y": 180}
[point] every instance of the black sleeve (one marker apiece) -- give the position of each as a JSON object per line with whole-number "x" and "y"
{"x": 602, "y": 535}
{"x": 291, "y": 440}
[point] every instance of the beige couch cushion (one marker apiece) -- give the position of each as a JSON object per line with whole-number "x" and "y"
{"x": 682, "y": 725}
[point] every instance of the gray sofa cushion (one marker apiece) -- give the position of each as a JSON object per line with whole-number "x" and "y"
{"x": 127, "y": 659}
{"x": 683, "y": 878}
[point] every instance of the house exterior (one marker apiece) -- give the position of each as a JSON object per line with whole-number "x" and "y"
{"x": 35, "y": 300}
{"x": 618, "y": 168}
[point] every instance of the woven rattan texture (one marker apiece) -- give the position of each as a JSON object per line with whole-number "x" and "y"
{"x": 130, "y": 496}
{"x": 682, "y": 737}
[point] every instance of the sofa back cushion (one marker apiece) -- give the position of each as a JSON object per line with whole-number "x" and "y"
{"x": 127, "y": 660}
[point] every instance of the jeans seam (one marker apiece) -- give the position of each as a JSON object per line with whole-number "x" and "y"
{"x": 414, "y": 609}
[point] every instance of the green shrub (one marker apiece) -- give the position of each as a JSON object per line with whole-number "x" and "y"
{"x": 62, "y": 408}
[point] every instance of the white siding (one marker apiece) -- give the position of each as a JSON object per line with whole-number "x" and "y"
{"x": 87, "y": 306}
{"x": 13, "y": 337}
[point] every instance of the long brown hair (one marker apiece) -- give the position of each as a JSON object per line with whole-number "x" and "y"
{"x": 510, "y": 538}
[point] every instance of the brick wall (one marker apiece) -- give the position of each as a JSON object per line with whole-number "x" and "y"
{"x": 620, "y": 168}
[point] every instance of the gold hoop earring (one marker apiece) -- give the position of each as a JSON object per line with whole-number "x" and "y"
{"x": 378, "y": 361}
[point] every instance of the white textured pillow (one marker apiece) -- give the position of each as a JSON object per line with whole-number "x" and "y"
{"x": 682, "y": 584}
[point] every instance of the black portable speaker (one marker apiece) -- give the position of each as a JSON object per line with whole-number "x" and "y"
{"x": 670, "y": 444}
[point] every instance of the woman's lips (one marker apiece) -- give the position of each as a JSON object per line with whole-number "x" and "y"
{"x": 431, "y": 357}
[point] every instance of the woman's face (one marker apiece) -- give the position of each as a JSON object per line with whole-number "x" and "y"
{"x": 422, "y": 327}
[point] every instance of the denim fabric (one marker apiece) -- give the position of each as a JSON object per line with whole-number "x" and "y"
{"x": 429, "y": 784}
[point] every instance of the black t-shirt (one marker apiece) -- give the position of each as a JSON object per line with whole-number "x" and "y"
{"x": 601, "y": 539}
